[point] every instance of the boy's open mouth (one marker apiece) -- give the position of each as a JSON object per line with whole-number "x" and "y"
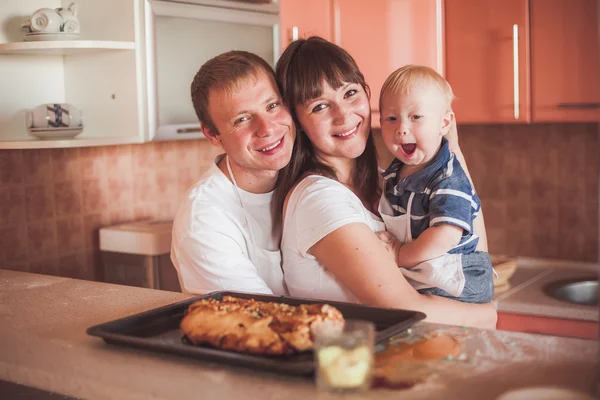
{"x": 409, "y": 148}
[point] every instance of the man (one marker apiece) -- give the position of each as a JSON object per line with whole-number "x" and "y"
{"x": 223, "y": 234}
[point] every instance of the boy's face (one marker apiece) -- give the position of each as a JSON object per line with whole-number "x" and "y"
{"x": 413, "y": 123}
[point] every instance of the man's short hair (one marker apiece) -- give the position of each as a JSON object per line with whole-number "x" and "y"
{"x": 224, "y": 71}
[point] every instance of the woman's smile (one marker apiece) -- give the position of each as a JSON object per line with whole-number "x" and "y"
{"x": 348, "y": 134}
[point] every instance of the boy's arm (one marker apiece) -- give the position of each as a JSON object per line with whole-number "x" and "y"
{"x": 435, "y": 241}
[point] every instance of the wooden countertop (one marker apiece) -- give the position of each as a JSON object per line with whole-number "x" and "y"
{"x": 43, "y": 344}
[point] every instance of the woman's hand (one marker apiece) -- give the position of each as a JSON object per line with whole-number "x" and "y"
{"x": 452, "y": 137}
{"x": 390, "y": 244}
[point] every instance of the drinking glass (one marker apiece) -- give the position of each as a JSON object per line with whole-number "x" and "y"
{"x": 344, "y": 355}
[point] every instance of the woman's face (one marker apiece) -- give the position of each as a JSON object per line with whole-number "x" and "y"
{"x": 338, "y": 122}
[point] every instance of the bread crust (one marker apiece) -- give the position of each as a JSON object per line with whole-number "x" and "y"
{"x": 251, "y": 326}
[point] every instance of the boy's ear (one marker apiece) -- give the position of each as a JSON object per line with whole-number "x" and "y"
{"x": 211, "y": 136}
{"x": 447, "y": 122}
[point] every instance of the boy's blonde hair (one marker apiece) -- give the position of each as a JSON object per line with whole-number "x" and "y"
{"x": 404, "y": 78}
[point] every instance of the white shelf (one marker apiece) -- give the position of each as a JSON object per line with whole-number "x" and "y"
{"x": 35, "y": 143}
{"x": 64, "y": 47}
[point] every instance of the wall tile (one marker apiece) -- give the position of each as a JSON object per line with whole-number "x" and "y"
{"x": 66, "y": 165}
{"x": 39, "y": 202}
{"x": 12, "y": 204}
{"x": 93, "y": 163}
{"x": 13, "y": 244}
{"x": 37, "y": 166}
{"x": 42, "y": 240}
{"x": 95, "y": 195}
{"x": 548, "y": 187}
{"x": 91, "y": 224}
{"x": 47, "y": 266}
{"x": 68, "y": 198}
{"x": 70, "y": 235}
{"x": 75, "y": 266}
{"x": 11, "y": 167}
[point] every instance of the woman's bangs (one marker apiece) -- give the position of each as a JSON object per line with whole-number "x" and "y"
{"x": 311, "y": 72}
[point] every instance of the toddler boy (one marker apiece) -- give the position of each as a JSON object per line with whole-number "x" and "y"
{"x": 428, "y": 203}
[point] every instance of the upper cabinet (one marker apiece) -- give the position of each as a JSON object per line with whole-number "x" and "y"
{"x": 97, "y": 73}
{"x": 564, "y": 60}
{"x": 521, "y": 61}
{"x": 487, "y": 59}
{"x": 304, "y": 18}
{"x": 381, "y": 35}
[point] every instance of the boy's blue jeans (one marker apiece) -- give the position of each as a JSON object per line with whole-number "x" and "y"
{"x": 479, "y": 283}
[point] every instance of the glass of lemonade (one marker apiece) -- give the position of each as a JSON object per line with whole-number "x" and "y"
{"x": 344, "y": 355}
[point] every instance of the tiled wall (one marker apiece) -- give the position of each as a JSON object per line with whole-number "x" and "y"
{"x": 538, "y": 185}
{"x": 53, "y": 201}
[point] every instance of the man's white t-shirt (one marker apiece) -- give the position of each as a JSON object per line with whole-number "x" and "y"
{"x": 223, "y": 239}
{"x": 317, "y": 207}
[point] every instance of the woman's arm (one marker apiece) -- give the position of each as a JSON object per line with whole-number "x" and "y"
{"x": 354, "y": 254}
{"x": 479, "y": 223}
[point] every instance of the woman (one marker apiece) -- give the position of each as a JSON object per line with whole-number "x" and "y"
{"x": 328, "y": 193}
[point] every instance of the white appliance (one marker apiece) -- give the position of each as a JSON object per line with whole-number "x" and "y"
{"x": 138, "y": 254}
{"x": 180, "y": 37}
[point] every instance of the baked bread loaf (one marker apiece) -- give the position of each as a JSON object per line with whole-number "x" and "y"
{"x": 256, "y": 327}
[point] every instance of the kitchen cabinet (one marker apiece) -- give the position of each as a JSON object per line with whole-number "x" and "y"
{"x": 304, "y": 18}
{"x": 381, "y": 35}
{"x": 547, "y": 326}
{"x": 564, "y": 60}
{"x": 521, "y": 61}
{"x": 98, "y": 73}
{"x": 487, "y": 59}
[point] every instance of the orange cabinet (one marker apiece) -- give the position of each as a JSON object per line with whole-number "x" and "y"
{"x": 523, "y": 60}
{"x": 564, "y": 60}
{"x": 304, "y": 18}
{"x": 547, "y": 326}
{"x": 381, "y": 35}
{"x": 487, "y": 59}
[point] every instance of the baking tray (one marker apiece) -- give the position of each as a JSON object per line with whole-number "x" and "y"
{"x": 158, "y": 330}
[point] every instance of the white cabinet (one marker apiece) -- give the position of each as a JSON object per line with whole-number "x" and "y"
{"x": 101, "y": 73}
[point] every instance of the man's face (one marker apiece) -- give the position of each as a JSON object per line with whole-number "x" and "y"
{"x": 254, "y": 127}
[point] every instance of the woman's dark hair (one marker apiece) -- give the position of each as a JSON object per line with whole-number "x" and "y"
{"x": 303, "y": 67}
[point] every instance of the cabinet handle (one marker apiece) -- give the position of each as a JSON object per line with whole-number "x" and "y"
{"x": 189, "y": 130}
{"x": 516, "y": 69}
{"x": 294, "y": 33}
{"x": 578, "y": 105}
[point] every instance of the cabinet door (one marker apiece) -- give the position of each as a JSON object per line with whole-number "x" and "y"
{"x": 486, "y": 63}
{"x": 383, "y": 35}
{"x": 564, "y": 60}
{"x": 547, "y": 326}
{"x": 309, "y": 17}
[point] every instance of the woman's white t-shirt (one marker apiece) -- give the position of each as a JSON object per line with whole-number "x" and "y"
{"x": 317, "y": 207}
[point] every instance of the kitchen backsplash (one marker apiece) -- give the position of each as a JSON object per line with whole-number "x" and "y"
{"x": 54, "y": 200}
{"x": 538, "y": 184}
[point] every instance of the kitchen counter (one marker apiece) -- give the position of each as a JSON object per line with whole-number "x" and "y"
{"x": 43, "y": 344}
{"x": 526, "y": 295}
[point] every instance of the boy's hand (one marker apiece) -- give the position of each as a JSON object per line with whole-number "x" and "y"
{"x": 391, "y": 245}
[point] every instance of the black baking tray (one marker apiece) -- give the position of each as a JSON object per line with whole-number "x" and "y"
{"x": 158, "y": 330}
